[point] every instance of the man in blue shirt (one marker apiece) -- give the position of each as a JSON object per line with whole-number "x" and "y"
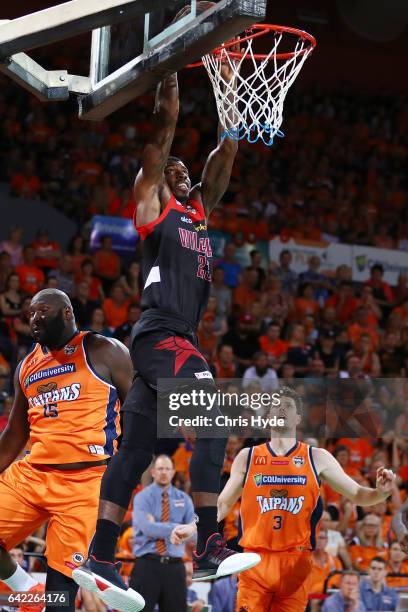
{"x": 223, "y": 594}
{"x": 161, "y": 513}
{"x": 374, "y": 594}
{"x": 348, "y": 598}
{"x": 230, "y": 266}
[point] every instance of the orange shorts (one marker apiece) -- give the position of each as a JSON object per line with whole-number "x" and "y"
{"x": 278, "y": 583}
{"x": 30, "y": 496}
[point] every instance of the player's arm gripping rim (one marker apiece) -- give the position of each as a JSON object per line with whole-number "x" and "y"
{"x": 217, "y": 170}
{"x": 17, "y": 432}
{"x": 233, "y": 489}
{"x": 330, "y": 470}
{"x": 149, "y": 183}
{"x": 399, "y": 526}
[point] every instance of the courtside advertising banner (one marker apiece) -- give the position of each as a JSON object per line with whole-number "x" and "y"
{"x": 393, "y": 262}
{"x": 331, "y": 255}
{"x": 122, "y": 231}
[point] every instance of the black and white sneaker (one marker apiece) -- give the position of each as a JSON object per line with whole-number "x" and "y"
{"x": 102, "y": 578}
{"x": 217, "y": 560}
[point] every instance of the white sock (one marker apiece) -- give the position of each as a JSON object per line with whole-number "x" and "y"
{"x": 20, "y": 580}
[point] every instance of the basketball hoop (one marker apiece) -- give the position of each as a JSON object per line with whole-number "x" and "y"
{"x": 250, "y": 104}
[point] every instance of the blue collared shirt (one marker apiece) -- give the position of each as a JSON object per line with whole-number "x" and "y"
{"x": 223, "y": 594}
{"x": 336, "y": 603}
{"x": 386, "y": 599}
{"x": 146, "y": 533}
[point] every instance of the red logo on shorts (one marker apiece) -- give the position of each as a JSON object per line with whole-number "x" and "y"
{"x": 183, "y": 349}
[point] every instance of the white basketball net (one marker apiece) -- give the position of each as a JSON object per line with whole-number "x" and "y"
{"x": 250, "y": 104}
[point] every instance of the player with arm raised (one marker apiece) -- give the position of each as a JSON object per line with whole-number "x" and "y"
{"x": 171, "y": 219}
{"x": 279, "y": 483}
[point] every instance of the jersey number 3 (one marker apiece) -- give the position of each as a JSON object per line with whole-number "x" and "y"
{"x": 277, "y": 522}
{"x": 50, "y": 411}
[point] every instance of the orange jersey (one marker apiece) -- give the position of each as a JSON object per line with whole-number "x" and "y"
{"x": 281, "y": 503}
{"x": 73, "y": 413}
{"x": 361, "y": 556}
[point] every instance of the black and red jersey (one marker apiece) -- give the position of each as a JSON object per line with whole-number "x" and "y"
{"x": 177, "y": 261}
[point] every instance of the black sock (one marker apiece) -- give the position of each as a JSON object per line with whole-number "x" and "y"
{"x": 105, "y": 540}
{"x": 207, "y": 525}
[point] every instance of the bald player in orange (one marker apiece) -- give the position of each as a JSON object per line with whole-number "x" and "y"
{"x": 68, "y": 392}
{"x": 281, "y": 506}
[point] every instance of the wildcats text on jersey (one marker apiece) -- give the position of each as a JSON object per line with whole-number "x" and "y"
{"x": 190, "y": 240}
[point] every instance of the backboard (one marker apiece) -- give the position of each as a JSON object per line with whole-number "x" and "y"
{"x": 134, "y": 46}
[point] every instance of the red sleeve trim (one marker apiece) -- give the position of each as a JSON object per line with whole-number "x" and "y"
{"x": 145, "y": 230}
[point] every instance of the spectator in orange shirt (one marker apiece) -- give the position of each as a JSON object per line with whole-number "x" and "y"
{"x": 225, "y": 365}
{"x": 31, "y": 277}
{"x": 397, "y": 564}
{"x": 360, "y": 451}
{"x": 88, "y": 167}
{"x": 115, "y": 308}
{"x": 322, "y": 564}
{"x": 306, "y": 304}
{"x": 98, "y": 323}
{"x": 271, "y": 342}
{"x": 206, "y": 337}
{"x": 368, "y": 301}
{"x": 245, "y": 294}
{"x": 381, "y": 290}
{"x": 234, "y": 445}
{"x": 4, "y": 367}
{"x": 369, "y": 543}
{"x": 380, "y": 510}
{"x": 344, "y": 302}
{"x": 181, "y": 459}
{"x": 87, "y": 276}
{"x": 47, "y": 252}
{"x": 130, "y": 282}
{"x": 13, "y": 247}
{"x": 107, "y": 263}
{"x": 125, "y": 551}
{"x": 77, "y": 251}
{"x": 123, "y": 206}
{"x": 370, "y": 361}
{"x": 362, "y": 326}
{"x": 26, "y": 184}
{"x": 342, "y": 454}
{"x": 402, "y": 312}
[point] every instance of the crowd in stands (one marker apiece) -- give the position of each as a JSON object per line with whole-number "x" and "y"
{"x": 336, "y": 176}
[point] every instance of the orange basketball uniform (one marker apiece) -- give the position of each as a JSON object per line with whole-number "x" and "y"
{"x": 74, "y": 417}
{"x": 280, "y": 509}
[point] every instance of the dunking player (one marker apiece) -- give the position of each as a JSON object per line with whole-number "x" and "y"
{"x": 281, "y": 506}
{"x": 171, "y": 218}
{"x": 67, "y": 399}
